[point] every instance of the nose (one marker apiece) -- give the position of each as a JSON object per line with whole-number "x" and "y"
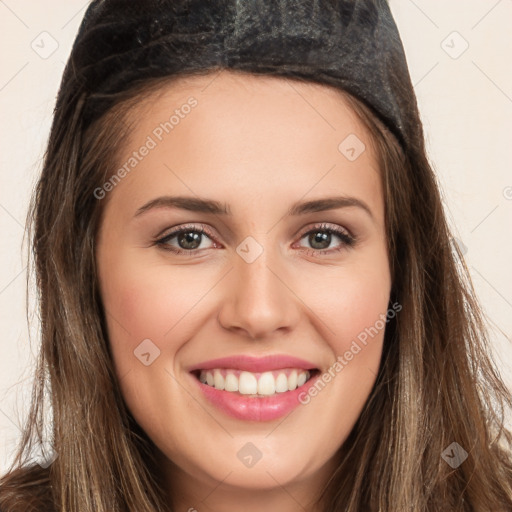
{"x": 259, "y": 298}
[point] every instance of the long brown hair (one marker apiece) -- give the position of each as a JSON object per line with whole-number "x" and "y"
{"x": 437, "y": 383}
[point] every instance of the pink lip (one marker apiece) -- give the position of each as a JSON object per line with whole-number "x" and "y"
{"x": 255, "y": 409}
{"x": 255, "y": 364}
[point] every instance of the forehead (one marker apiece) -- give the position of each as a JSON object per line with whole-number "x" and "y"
{"x": 235, "y": 89}
{"x": 257, "y": 135}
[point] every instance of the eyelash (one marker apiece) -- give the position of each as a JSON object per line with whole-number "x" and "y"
{"x": 347, "y": 239}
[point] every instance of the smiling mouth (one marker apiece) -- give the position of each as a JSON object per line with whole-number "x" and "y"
{"x": 252, "y": 384}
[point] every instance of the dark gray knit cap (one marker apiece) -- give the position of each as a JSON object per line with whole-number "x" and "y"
{"x": 350, "y": 44}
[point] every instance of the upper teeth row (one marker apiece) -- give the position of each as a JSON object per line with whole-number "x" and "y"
{"x": 247, "y": 383}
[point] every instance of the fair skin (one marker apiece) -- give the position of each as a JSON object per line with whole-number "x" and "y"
{"x": 259, "y": 145}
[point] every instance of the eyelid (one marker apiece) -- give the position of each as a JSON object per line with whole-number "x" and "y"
{"x": 172, "y": 232}
{"x": 325, "y": 226}
{"x": 194, "y": 226}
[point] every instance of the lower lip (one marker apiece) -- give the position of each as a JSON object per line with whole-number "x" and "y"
{"x": 255, "y": 409}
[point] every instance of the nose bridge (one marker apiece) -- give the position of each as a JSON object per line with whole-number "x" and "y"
{"x": 258, "y": 300}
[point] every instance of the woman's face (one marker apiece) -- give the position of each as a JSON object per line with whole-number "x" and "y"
{"x": 290, "y": 280}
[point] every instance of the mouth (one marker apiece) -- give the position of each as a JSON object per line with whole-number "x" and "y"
{"x": 255, "y": 384}
{"x": 255, "y": 388}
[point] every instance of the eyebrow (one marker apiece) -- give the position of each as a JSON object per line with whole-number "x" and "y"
{"x": 195, "y": 204}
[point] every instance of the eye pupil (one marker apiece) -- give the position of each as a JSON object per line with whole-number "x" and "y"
{"x": 189, "y": 240}
{"x": 320, "y": 238}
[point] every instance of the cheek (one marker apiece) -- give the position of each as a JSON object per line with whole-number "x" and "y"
{"x": 149, "y": 301}
{"x": 350, "y": 303}
{"x": 351, "y": 306}
{"x": 151, "y": 309}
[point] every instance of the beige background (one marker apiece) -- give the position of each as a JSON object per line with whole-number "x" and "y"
{"x": 459, "y": 55}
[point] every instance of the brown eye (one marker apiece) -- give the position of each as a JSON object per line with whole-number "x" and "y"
{"x": 187, "y": 240}
{"x": 321, "y": 237}
{"x": 320, "y": 240}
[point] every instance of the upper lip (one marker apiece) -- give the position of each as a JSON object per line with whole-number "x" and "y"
{"x": 255, "y": 364}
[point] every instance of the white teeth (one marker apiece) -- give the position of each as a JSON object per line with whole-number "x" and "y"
{"x": 259, "y": 384}
{"x": 281, "y": 383}
{"x": 292, "y": 380}
{"x": 218, "y": 380}
{"x": 231, "y": 382}
{"x": 247, "y": 384}
{"x": 266, "y": 384}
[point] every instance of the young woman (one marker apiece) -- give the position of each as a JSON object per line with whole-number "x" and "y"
{"x": 249, "y": 295}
